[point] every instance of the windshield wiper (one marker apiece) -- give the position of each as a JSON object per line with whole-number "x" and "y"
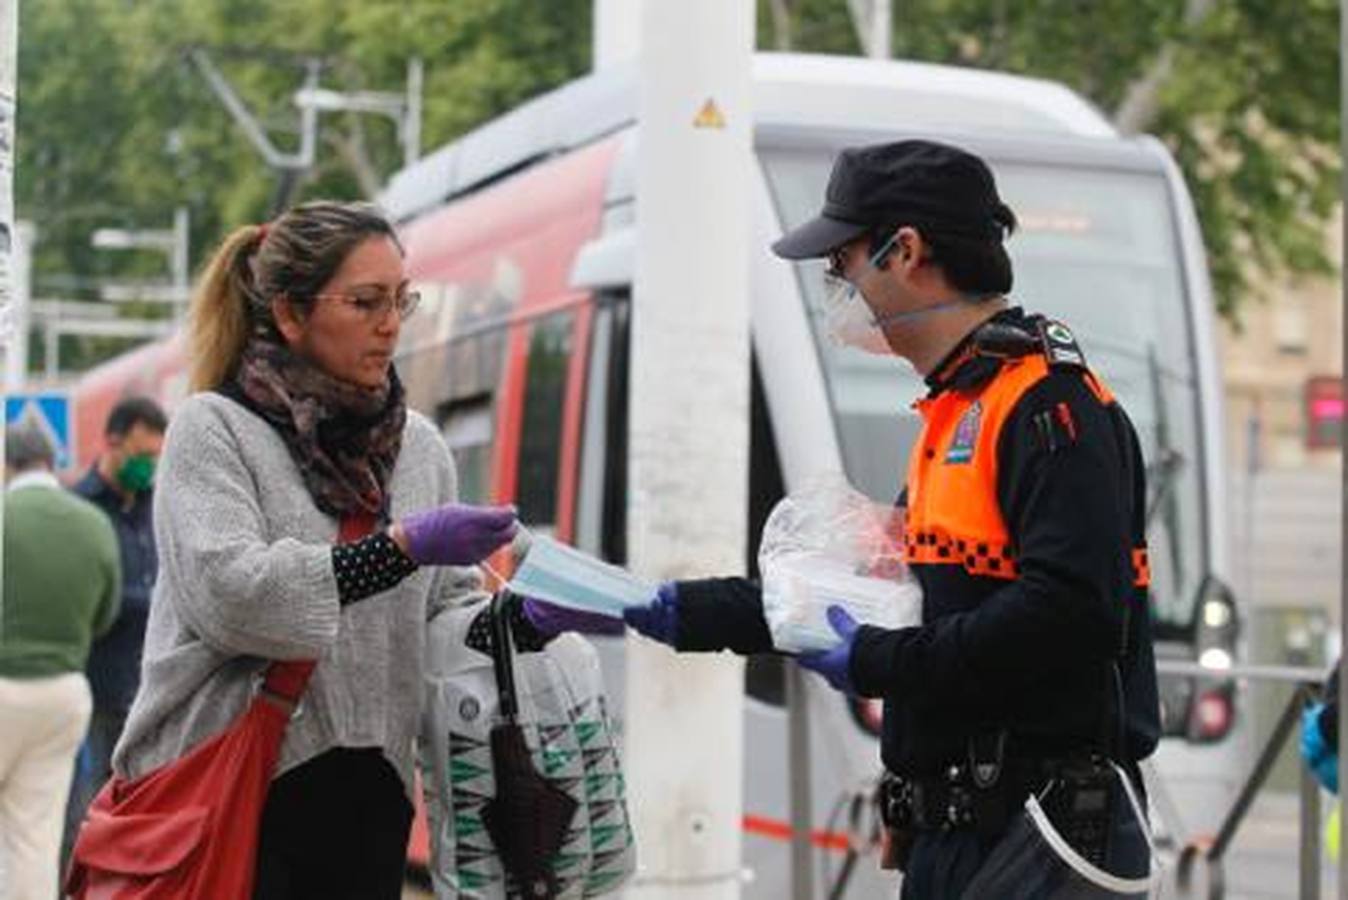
{"x": 1161, "y": 474}
{"x": 1163, "y": 470}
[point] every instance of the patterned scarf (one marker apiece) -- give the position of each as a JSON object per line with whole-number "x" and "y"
{"x": 344, "y": 438}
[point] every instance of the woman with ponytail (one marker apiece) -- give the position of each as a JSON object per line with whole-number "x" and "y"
{"x": 295, "y": 443}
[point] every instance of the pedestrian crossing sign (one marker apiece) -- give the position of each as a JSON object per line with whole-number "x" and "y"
{"x": 48, "y": 411}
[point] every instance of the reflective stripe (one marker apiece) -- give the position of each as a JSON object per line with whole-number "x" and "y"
{"x": 1141, "y": 567}
{"x": 1098, "y": 388}
{"x": 979, "y": 557}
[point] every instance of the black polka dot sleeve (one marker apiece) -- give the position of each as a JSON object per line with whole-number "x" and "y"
{"x": 526, "y": 637}
{"x": 368, "y": 567}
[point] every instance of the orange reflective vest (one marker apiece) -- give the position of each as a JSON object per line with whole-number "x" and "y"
{"x": 953, "y": 514}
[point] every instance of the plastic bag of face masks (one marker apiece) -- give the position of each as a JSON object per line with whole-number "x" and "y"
{"x": 827, "y": 544}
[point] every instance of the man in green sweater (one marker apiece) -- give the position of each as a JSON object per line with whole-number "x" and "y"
{"x": 62, "y": 587}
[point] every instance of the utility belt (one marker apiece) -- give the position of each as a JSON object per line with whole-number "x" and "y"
{"x": 976, "y": 797}
{"x": 949, "y": 802}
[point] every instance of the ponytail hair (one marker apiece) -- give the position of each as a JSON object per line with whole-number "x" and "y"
{"x": 219, "y": 323}
{"x": 294, "y": 257}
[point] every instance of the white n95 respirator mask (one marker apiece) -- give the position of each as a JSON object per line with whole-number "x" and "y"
{"x": 850, "y": 321}
{"x": 848, "y": 317}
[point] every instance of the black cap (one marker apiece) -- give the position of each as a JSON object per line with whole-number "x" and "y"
{"x": 920, "y": 183}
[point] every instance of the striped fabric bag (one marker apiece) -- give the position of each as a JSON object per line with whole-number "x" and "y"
{"x": 571, "y": 743}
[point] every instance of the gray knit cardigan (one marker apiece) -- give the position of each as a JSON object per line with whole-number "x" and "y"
{"x": 245, "y": 577}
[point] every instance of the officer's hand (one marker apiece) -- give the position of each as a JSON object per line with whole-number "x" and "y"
{"x": 836, "y": 664}
{"x": 550, "y": 620}
{"x": 1322, "y": 761}
{"x": 659, "y": 619}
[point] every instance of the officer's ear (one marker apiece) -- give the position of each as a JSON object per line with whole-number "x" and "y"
{"x": 909, "y": 248}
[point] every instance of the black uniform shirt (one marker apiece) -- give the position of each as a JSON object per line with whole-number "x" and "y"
{"x": 1033, "y": 656}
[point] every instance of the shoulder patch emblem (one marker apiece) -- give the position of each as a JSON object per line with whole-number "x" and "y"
{"x": 966, "y": 435}
{"x": 1060, "y": 345}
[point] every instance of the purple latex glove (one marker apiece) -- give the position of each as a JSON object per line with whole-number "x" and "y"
{"x": 659, "y": 619}
{"x": 550, "y": 620}
{"x": 457, "y": 534}
{"x": 835, "y": 664}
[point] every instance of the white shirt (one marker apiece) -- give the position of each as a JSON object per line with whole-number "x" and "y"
{"x": 33, "y": 478}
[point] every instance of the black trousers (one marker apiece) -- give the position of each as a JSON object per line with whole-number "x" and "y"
{"x": 335, "y": 827}
{"x": 941, "y": 864}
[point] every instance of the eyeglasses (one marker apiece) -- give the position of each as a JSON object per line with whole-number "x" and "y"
{"x": 374, "y": 305}
{"x": 837, "y": 262}
{"x": 839, "y": 257}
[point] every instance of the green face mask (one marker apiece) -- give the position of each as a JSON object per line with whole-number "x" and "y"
{"x": 137, "y": 473}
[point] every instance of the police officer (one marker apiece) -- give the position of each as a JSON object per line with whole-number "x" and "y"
{"x": 1024, "y": 524}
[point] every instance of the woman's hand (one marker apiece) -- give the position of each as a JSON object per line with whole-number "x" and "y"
{"x": 455, "y": 534}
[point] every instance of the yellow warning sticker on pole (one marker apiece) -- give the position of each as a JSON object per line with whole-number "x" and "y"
{"x": 709, "y": 116}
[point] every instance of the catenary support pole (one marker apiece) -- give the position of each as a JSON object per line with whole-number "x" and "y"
{"x": 9, "y": 48}
{"x": 1343, "y": 319}
{"x": 617, "y": 32}
{"x": 22, "y": 234}
{"x": 689, "y": 433}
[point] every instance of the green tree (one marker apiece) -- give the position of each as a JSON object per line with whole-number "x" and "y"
{"x": 1243, "y": 92}
{"x": 116, "y": 126}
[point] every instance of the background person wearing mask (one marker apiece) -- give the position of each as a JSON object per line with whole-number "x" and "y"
{"x": 297, "y": 423}
{"x": 61, "y": 588}
{"x": 1024, "y": 524}
{"x": 119, "y": 483}
{"x": 1320, "y": 735}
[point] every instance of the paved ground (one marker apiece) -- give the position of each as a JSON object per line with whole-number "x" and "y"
{"x": 1262, "y": 862}
{"x": 1263, "y": 857}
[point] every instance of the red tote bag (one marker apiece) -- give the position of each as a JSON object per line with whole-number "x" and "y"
{"x": 188, "y": 830}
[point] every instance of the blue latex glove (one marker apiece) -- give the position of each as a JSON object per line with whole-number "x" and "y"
{"x": 551, "y": 620}
{"x": 457, "y": 534}
{"x": 1323, "y": 763}
{"x": 659, "y": 619}
{"x": 836, "y": 664}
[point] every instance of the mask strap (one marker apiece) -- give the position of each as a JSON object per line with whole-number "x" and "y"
{"x": 896, "y": 317}
{"x": 874, "y": 261}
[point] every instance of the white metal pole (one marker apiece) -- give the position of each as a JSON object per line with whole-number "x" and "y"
{"x": 616, "y": 30}
{"x": 882, "y": 26}
{"x": 180, "y": 260}
{"x": 9, "y": 48}
{"x": 800, "y": 788}
{"x": 22, "y": 235}
{"x": 1343, "y": 563}
{"x": 411, "y": 120}
{"x": 689, "y": 433}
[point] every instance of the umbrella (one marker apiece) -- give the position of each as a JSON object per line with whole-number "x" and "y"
{"x": 529, "y": 817}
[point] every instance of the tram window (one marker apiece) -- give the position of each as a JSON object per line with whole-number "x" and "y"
{"x": 593, "y": 447}
{"x": 614, "y": 533}
{"x": 765, "y": 674}
{"x": 541, "y": 427}
{"x": 467, "y": 428}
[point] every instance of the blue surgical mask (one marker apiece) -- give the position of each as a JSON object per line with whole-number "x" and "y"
{"x": 559, "y": 574}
